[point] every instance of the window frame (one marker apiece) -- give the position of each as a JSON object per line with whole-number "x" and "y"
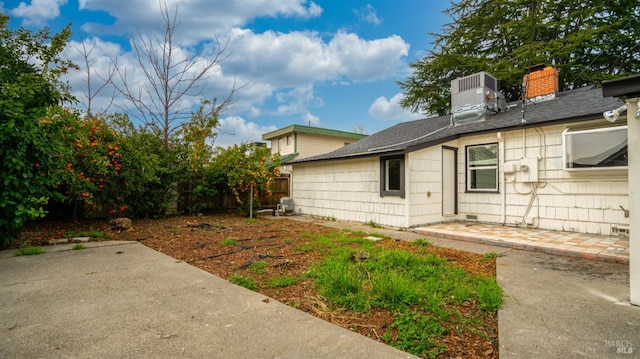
{"x": 569, "y": 132}
{"x": 384, "y": 191}
{"x": 468, "y": 169}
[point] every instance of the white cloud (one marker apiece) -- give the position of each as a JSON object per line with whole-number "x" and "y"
{"x": 201, "y": 19}
{"x": 369, "y": 60}
{"x": 298, "y": 58}
{"x": 277, "y": 74}
{"x": 368, "y": 14}
{"x": 390, "y": 109}
{"x": 235, "y": 130}
{"x": 310, "y": 119}
{"x": 38, "y": 11}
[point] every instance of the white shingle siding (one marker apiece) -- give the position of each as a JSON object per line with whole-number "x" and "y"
{"x": 573, "y": 201}
{"x": 587, "y": 201}
{"x": 346, "y": 190}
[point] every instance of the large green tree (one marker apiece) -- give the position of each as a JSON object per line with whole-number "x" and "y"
{"x": 31, "y": 123}
{"x": 587, "y": 41}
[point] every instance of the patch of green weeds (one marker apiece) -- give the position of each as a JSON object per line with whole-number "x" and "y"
{"x": 304, "y": 248}
{"x": 288, "y": 240}
{"x": 259, "y": 267}
{"x": 228, "y": 242}
{"x": 78, "y": 247}
{"x": 422, "y": 289}
{"x": 416, "y": 332}
{"x": 488, "y": 257}
{"x": 28, "y": 250}
{"x": 97, "y": 234}
{"x": 422, "y": 242}
{"x": 489, "y": 294}
{"x": 242, "y": 281}
{"x": 373, "y": 224}
{"x": 252, "y": 220}
{"x": 282, "y": 281}
{"x": 88, "y": 233}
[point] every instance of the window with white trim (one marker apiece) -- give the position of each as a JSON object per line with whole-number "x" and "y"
{"x": 595, "y": 149}
{"x": 482, "y": 168}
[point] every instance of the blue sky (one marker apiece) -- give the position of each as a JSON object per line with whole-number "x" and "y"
{"x": 331, "y": 64}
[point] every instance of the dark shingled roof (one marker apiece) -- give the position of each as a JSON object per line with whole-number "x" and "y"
{"x": 576, "y": 105}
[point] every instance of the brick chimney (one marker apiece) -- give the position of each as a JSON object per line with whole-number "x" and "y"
{"x": 541, "y": 82}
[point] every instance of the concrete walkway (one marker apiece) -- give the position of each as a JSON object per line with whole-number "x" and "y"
{"x": 124, "y": 300}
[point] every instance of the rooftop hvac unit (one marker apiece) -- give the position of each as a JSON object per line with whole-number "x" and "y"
{"x": 474, "y": 96}
{"x": 285, "y": 206}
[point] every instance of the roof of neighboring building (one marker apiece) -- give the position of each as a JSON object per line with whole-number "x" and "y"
{"x": 287, "y": 158}
{"x": 311, "y": 130}
{"x": 576, "y": 105}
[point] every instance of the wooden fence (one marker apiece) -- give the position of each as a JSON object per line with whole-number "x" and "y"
{"x": 224, "y": 202}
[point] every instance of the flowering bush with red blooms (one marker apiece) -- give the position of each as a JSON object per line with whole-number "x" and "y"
{"x": 94, "y": 178}
{"x": 30, "y": 133}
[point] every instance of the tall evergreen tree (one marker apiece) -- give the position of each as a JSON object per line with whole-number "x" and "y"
{"x": 587, "y": 41}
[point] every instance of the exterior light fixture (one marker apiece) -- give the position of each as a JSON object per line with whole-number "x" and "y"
{"x": 612, "y": 115}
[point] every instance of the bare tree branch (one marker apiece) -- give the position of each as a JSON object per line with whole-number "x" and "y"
{"x": 89, "y": 93}
{"x": 169, "y": 80}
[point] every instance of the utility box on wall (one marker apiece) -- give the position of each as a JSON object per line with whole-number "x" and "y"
{"x": 528, "y": 171}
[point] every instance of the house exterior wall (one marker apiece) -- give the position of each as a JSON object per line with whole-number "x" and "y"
{"x": 577, "y": 201}
{"x": 284, "y": 145}
{"x": 589, "y": 201}
{"x": 346, "y": 190}
{"x": 311, "y": 145}
{"x": 581, "y": 201}
{"x": 306, "y": 144}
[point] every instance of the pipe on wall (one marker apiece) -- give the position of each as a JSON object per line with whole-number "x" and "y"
{"x": 503, "y": 181}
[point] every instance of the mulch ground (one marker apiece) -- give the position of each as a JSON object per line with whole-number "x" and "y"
{"x": 204, "y": 243}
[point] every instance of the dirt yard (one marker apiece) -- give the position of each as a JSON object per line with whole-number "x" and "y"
{"x": 226, "y": 245}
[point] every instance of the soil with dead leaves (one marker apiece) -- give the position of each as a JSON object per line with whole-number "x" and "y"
{"x": 224, "y": 245}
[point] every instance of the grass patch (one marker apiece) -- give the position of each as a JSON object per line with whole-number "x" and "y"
{"x": 422, "y": 290}
{"x": 304, "y": 248}
{"x": 228, "y": 242}
{"x": 88, "y": 233}
{"x": 252, "y": 220}
{"x": 258, "y": 267}
{"x": 29, "y": 251}
{"x": 78, "y": 247}
{"x": 488, "y": 257}
{"x": 282, "y": 281}
{"x": 422, "y": 242}
{"x": 242, "y": 281}
{"x": 373, "y": 224}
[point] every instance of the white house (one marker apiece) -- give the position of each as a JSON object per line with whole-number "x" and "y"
{"x": 555, "y": 163}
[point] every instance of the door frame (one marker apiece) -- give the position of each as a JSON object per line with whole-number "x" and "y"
{"x": 455, "y": 179}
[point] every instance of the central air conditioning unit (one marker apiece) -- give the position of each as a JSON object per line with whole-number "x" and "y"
{"x": 285, "y": 206}
{"x": 475, "y": 96}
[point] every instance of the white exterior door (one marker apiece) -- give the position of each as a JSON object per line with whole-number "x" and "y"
{"x": 449, "y": 181}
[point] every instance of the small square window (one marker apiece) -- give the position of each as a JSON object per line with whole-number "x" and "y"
{"x": 482, "y": 168}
